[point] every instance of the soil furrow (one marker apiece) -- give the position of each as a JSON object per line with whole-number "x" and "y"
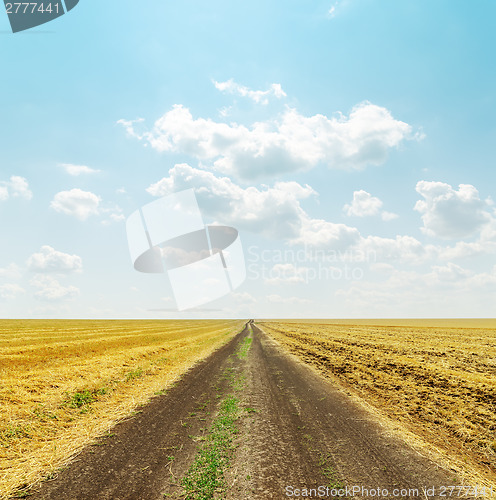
{"x": 295, "y": 431}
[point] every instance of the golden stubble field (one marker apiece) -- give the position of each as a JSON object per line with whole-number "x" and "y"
{"x": 65, "y": 382}
{"x": 438, "y": 382}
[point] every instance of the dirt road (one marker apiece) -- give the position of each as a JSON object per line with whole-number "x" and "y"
{"x": 294, "y": 431}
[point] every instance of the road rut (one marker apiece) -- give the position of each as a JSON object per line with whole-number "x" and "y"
{"x": 296, "y": 432}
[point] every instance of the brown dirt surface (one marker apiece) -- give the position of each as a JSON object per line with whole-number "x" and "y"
{"x": 436, "y": 385}
{"x": 294, "y": 430}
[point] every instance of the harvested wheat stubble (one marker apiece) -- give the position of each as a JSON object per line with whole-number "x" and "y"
{"x": 64, "y": 382}
{"x": 439, "y": 382}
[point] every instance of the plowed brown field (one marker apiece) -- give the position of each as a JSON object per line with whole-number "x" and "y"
{"x": 438, "y": 382}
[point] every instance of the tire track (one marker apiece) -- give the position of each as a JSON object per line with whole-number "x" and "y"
{"x": 295, "y": 430}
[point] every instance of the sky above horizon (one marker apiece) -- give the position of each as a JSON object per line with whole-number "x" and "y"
{"x": 351, "y": 143}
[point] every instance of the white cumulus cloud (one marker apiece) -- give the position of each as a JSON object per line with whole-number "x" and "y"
{"x": 449, "y": 213}
{"x": 447, "y": 273}
{"x": 288, "y": 143}
{"x": 325, "y": 234}
{"x": 17, "y": 187}
{"x": 77, "y": 203}
{"x": 49, "y": 260}
{"x": 402, "y": 248}
{"x": 365, "y": 205}
{"x": 274, "y": 211}
{"x": 463, "y": 249}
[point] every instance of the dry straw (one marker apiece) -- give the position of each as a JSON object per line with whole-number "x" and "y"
{"x": 64, "y": 383}
{"x": 434, "y": 386}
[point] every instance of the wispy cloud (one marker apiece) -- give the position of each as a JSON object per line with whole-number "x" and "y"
{"x": 49, "y": 260}
{"x": 10, "y": 291}
{"x": 49, "y": 289}
{"x": 258, "y": 96}
{"x": 76, "y": 170}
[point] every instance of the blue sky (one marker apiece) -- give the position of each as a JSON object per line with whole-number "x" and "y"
{"x": 304, "y": 124}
